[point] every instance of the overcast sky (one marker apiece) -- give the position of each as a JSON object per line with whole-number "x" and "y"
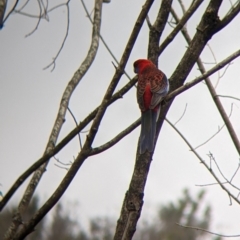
{"x": 30, "y": 97}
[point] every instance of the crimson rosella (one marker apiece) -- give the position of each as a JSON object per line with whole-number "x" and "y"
{"x": 152, "y": 86}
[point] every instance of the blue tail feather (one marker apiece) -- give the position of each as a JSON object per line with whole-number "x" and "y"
{"x": 148, "y": 130}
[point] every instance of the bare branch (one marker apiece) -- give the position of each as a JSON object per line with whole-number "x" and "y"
{"x": 2, "y": 11}
{"x": 219, "y": 130}
{"x": 116, "y": 139}
{"x": 205, "y": 75}
{"x": 229, "y": 17}
{"x": 75, "y": 120}
{"x": 26, "y": 228}
{"x": 180, "y": 25}
{"x": 184, "y": 111}
{"x": 203, "y": 162}
{"x": 156, "y": 30}
{"x": 214, "y": 94}
{"x": 228, "y": 97}
{"x": 91, "y": 116}
{"x": 23, "y": 6}
{"x": 224, "y": 116}
{"x": 220, "y": 171}
{"x": 39, "y": 19}
{"x": 207, "y": 231}
{"x": 60, "y": 145}
{"x": 235, "y": 174}
{"x": 209, "y": 184}
{"x": 133, "y": 201}
{"x": 53, "y": 63}
{"x": 60, "y": 119}
{"x": 102, "y": 39}
{"x": 62, "y": 163}
{"x": 215, "y": 61}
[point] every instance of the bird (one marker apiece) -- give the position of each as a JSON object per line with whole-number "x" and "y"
{"x": 152, "y": 87}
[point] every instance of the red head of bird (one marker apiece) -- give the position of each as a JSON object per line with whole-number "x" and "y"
{"x": 142, "y": 64}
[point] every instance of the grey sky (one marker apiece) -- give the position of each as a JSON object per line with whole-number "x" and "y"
{"x": 30, "y": 96}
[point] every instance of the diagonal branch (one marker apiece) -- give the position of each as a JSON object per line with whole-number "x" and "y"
{"x": 213, "y": 93}
{"x": 229, "y": 17}
{"x": 59, "y": 120}
{"x": 91, "y": 116}
{"x": 85, "y": 152}
{"x": 203, "y": 76}
{"x": 203, "y": 162}
{"x": 207, "y": 231}
{"x": 180, "y": 25}
{"x": 62, "y": 144}
{"x": 116, "y": 139}
{"x": 53, "y": 63}
{"x": 156, "y": 30}
{"x": 102, "y": 39}
{"x": 133, "y": 201}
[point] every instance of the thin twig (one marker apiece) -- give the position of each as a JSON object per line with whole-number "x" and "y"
{"x": 12, "y": 231}
{"x": 219, "y": 130}
{"x": 207, "y": 231}
{"x": 211, "y": 89}
{"x": 91, "y": 116}
{"x": 65, "y": 164}
{"x": 11, "y": 11}
{"x": 75, "y": 120}
{"x": 203, "y": 76}
{"x": 215, "y": 62}
{"x": 203, "y": 162}
{"x": 118, "y": 95}
{"x": 83, "y": 155}
{"x": 209, "y": 184}
{"x": 212, "y": 158}
{"x": 102, "y": 39}
{"x": 234, "y": 174}
{"x": 180, "y": 25}
{"x": 116, "y": 139}
{"x": 184, "y": 111}
{"x": 225, "y": 96}
{"x": 39, "y": 20}
{"x": 53, "y": 63}
{"x": 24, "y": 5}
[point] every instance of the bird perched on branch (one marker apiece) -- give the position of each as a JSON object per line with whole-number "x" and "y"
{"x": 152, "y": 87}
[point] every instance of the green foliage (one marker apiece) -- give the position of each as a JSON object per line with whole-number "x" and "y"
{"x": 187, "y": 210}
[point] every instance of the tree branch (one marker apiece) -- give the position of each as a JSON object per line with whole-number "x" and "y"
{"x": 53, "y": 63}
{"x": 179, "y": 26}
{"x": 60, "y": 119}
{"x": 207, "y": 231}
{"x": 228, "y": 18}
{"x": 91, "y": 116}
{"x": 156, "y": 30}
{"x": 133, "y": 201}
{"x": 102, "y": 39}
{"x": 203, "y": 76}
{"x": 25, "y": 230}
{"x": 214, "y": 94}
{"x": 203, "y": 162}
{"x": 62, "y": 144}
{"x": 116, "y": 139}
